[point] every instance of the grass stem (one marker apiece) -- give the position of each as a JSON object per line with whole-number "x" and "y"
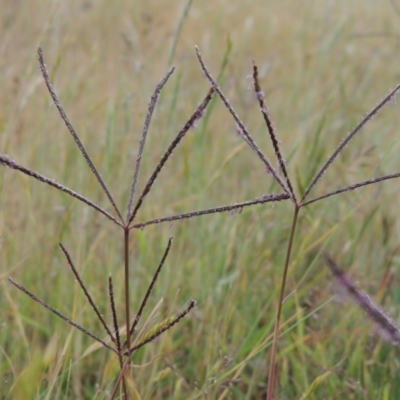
{"x": 271, "y": 376}
{"x": 127, "y": 303}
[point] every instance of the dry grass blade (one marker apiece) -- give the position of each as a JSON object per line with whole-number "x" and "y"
{"x": 260, "y": 97}
{"x": 148, "y": 321}
{"x": 73, "y": 132}
{"x": 150, "y": 288}
{"x": 352, "y": 187}
{"x": 242, "y": 128}
{"x": 5, "y": 160}
{"x": 165, "y": 328}
{"x": 131, "y": 392}
{"x": 233, "y": 207}
{"x": 120, "y": 378}
{"x": 62, "y": 316}
{"x": 86, "y": 292}
{"x": 377, "y": 315}
{"x": 198, "y": 113}
{"x": 350, "y": 136}
{"x": 150, "y": 110}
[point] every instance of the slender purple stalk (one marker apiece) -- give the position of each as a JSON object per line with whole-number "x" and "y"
{"x": 352, "y": 187}
{"x": 150, "y": 110}
{"x": 198, "y": 113}
{"x": 114, "y": 313}
{"x": 62, "y": 316}
{"x": 233, "y": 207}
{"x": 274, "y": 350}
{"x": 5, "y": 160}
{"x": 350, "y": 136}
{"x": 249, "y": 140}
{"x": 127, "y": 281}
{"x": 260, "y": 97}
{"x": 73, "y": 132}
{"x": 116, "y": 329}
{"x": 86, "y": 292}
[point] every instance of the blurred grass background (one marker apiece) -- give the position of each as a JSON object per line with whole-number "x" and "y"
{"x": 323, "y": 66}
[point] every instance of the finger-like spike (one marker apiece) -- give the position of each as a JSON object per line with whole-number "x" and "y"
{"x": 72, "y": 131}
{"x": 150, "y": 110}
{"x": 60, "y": 315}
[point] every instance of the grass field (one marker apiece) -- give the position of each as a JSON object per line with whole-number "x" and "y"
{"x": 323, "y": 66}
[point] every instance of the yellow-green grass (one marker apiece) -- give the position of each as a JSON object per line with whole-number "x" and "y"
{"x": 324, "y": 65}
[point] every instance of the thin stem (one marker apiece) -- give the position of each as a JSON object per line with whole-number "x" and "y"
{"x": 347, "y": 139}
{"x": 259, "y": 200}
{"x": 249, "y": 140}
{"x": 263, "y": 108}
{"x": 127, "y": 294}
{"x": 198, "y": 113}
{"x": 119, "y": 379}
{"x": 150, "y": 110}
{"x": 272, "y": 366}
{"x": 5, "y": 160}
{"x": 62, "y": 316}
{"x": 116, "y": 329}
{"x": 72, "y": 131}
{"x": 352, "y": 187}
{"x": 150, "y": 288}
{"x": 86, "y": 292}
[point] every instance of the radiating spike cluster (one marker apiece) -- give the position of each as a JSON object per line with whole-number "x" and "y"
{"x": 124, "y": 351}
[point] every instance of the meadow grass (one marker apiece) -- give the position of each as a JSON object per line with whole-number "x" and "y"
{"x": 322, "y": 67}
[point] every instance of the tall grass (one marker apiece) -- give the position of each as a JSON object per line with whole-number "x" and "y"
{"x": 321, "y": 68}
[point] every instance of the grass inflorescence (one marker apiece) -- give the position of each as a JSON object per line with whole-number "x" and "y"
{"x": 263, "y": 325}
